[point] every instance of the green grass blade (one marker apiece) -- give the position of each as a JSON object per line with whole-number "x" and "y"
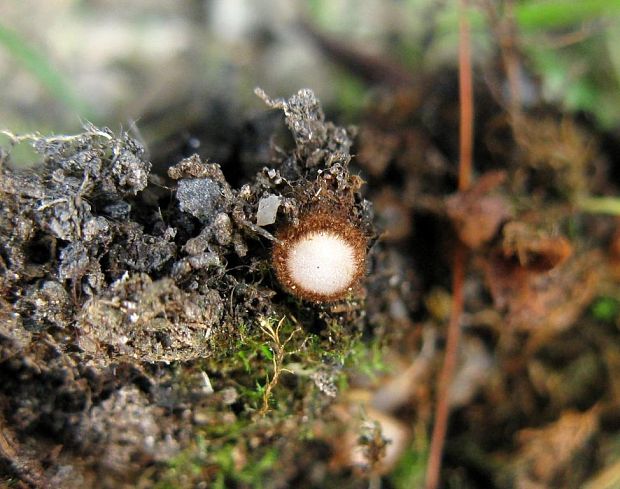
{"x": 559, "y": 13}
{"x": 37, "y": 64}
{"x": 600, "y": 205}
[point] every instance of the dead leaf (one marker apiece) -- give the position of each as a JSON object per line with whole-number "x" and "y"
{"x": 534, "y": 249}
{"x": 546, "y": 453}
{"x": 476, "y": 215}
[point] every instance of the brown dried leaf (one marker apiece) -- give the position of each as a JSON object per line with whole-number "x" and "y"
{"x": 534, "y": 250}
{"x": 477, "y": 216}
{"x": 546, "y": 453}
{"x": 542, "y": 303}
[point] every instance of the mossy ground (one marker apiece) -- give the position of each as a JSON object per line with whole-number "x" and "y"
{"x": 145, "y": 341}
{"x": 144, "y": 330}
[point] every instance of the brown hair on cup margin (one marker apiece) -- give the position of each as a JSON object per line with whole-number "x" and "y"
{"x": 323, "y": 257}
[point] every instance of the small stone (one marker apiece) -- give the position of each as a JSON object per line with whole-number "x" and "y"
{"x": 200, "y": 197}
{"x": 267, "y": 210}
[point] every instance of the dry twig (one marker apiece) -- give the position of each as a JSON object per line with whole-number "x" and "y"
{"x": 460, "y": 256}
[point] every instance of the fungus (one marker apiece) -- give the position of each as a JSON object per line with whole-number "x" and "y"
{"x": 322, "y": 258}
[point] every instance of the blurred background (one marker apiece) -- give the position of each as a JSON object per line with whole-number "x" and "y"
{"x": 537, "y": 380}
{"x": 115, "y": 62}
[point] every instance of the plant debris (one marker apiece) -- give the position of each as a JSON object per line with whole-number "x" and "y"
{"x": 145, "y": 340}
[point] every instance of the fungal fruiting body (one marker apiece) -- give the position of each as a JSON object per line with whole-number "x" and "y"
{"x": 322, "y": 258}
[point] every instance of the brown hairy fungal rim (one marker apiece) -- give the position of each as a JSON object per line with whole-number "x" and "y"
{"x": 319, "y": 218}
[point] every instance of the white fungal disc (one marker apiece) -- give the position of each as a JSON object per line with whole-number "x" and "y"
{"x": 322, "y": 263}
{"x": 322, "y": 257}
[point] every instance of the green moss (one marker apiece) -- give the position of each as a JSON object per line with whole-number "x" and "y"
{"x": 410, "y": 470}
{"x": 272, "y": 367}
{"x": 606, "y": 309}
{"x": 411, "y": 467}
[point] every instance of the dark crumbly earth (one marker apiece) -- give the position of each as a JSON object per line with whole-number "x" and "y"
{"x": 145, "y": 342}
{"x": 134, "y": 307}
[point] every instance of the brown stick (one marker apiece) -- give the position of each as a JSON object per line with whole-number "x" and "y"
{"x": 466, "y": 98}
{"x": 442, "y": 411}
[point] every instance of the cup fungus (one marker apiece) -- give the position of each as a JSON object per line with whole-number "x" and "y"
{"x": 323, "y": 257}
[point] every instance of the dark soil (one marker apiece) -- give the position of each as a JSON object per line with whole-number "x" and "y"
{"x": 145, "y": 341}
